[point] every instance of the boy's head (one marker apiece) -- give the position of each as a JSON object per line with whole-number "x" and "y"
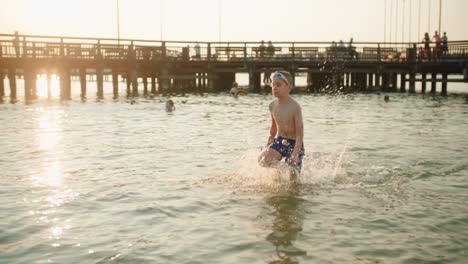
{"x": 283, "y": 75}
{"x": 281, "y": 83}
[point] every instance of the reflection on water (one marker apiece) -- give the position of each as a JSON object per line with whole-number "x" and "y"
{"x": 49, "y": 180}
{"x": 288, "y": 215}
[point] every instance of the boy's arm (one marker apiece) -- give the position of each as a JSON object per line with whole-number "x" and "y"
{"x": 273, "y": 130}
{"x": 299, "y": 125}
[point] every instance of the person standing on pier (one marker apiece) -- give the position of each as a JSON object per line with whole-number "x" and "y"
{"x": 287, "y": 129}
{"x": 351, "y": 49}
{"x": 427, "y": 48}
{"x": 444, "y": 41}
{"x": 437, "y": 49}
{"x": 261, "y": 49}
{"x": 16, "y": 44}
{"x": 197, "y": 51}
{"x": 270, "y": 49}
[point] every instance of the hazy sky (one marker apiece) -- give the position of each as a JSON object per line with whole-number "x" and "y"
{"x": 237, "y": 20}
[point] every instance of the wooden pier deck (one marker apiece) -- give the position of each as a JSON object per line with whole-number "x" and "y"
{"x": 176, "y": 66}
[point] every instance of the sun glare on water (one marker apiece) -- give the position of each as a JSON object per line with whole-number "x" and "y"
{"x": 43, "y": 85}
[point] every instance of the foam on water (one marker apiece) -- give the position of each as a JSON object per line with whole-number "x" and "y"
{"x": 322, "y": 170}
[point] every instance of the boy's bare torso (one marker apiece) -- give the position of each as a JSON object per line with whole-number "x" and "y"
{"x": 284, "y": 116}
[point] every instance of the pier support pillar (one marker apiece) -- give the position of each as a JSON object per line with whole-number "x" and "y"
{"x": 362, "y": 81}
{"x": 224, "y": 81}
{"x": 100, "y": 83}
{"x": 29, "y": 83}
{"x": 403, "y": 82}
{"x": 423, "y": 83}
{"x": 134, "y": 78}
{"x": 83, "y": 83}
{"x": 12, "y": 79}
{"x": 254, "y": 81}
{"x": 163, "y": 81}
{"x": 65, "y": 84}
{"x": 153, "y": 85}
{"x": 115, "y": 83}
{"x": 412, "y": 83}
{"x": 378, "y": 84}
{"x": 315, "y": 82}
{"x": 129, "y": 84}
{"x": 385, "y": 82}
{"x": 394, "y": 81}
{"x": 208, "y": 81}
{"x": 444, "y": 84}
{"x": 49, "y": 86}
{"x": 370, "y": 81}
{"x": 145, "y": 85}
{"x": 352, "y": 80}
{"x": 204, "y": 82}
{"x": 2, "y": 84}
{"x": 433, "y": 83}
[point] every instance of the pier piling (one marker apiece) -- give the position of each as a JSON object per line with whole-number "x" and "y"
{"x": 83, "y": 83}
{"x": 423, "y": 83}
{"x": 2, "y": 84}
{"x": 433, "y": 83}
{"x": 115, "y": 83}
{"x": 100, "y": 83}
{"x": 402, "y": 82}
{"x": 12, "y": 79}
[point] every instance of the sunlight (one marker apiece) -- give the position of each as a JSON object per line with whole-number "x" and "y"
{"x": 41, "y": 85}
{"x": 49, "y": 130}
{"x": 52, "y": 176}
{"x": 48, "y": 133}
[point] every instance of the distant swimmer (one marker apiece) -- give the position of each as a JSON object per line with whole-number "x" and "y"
{"x": 287, "y": 129}
{"x": 386, "y": 98}
{"x": 234, "y": 90}
{"x": 170, "y": 105}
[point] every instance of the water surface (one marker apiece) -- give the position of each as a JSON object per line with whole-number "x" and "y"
{"x": 126, "y": 182}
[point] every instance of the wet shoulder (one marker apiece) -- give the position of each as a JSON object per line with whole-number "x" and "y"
{"x": 295, "y": 104}
{"x": 273, "y": 104}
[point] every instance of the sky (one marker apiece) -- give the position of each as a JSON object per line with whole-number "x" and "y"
{"x": 237, "y": 20}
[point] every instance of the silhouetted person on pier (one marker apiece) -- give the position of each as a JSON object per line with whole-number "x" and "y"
{"x": 341, "y": 44}
{"x": 270, "y": 49}
{"x": 16, "y": 44}
{"x": 444, "y": 42}
{"x": 427, "y": 48}
{"x": 437, "y": 49}
{"x": 351, "y": 49}
{"x": 261, "y": 49}
{"x": 197, "y": 51}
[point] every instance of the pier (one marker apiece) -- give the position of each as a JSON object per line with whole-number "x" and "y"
{"x": 165, "y": 67}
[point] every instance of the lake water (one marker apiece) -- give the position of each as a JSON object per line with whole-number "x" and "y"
{"x": 126, "y": 182}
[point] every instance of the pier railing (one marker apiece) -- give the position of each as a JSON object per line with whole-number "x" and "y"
{"x": 47, "y": 47}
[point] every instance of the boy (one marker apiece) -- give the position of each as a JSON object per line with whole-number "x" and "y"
{"x": 287, "y": 130}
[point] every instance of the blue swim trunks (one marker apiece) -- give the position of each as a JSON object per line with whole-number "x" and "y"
{"x": 285, "y": 147}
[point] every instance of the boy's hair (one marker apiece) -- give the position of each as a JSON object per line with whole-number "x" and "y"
{"x": 285, "y": 75}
